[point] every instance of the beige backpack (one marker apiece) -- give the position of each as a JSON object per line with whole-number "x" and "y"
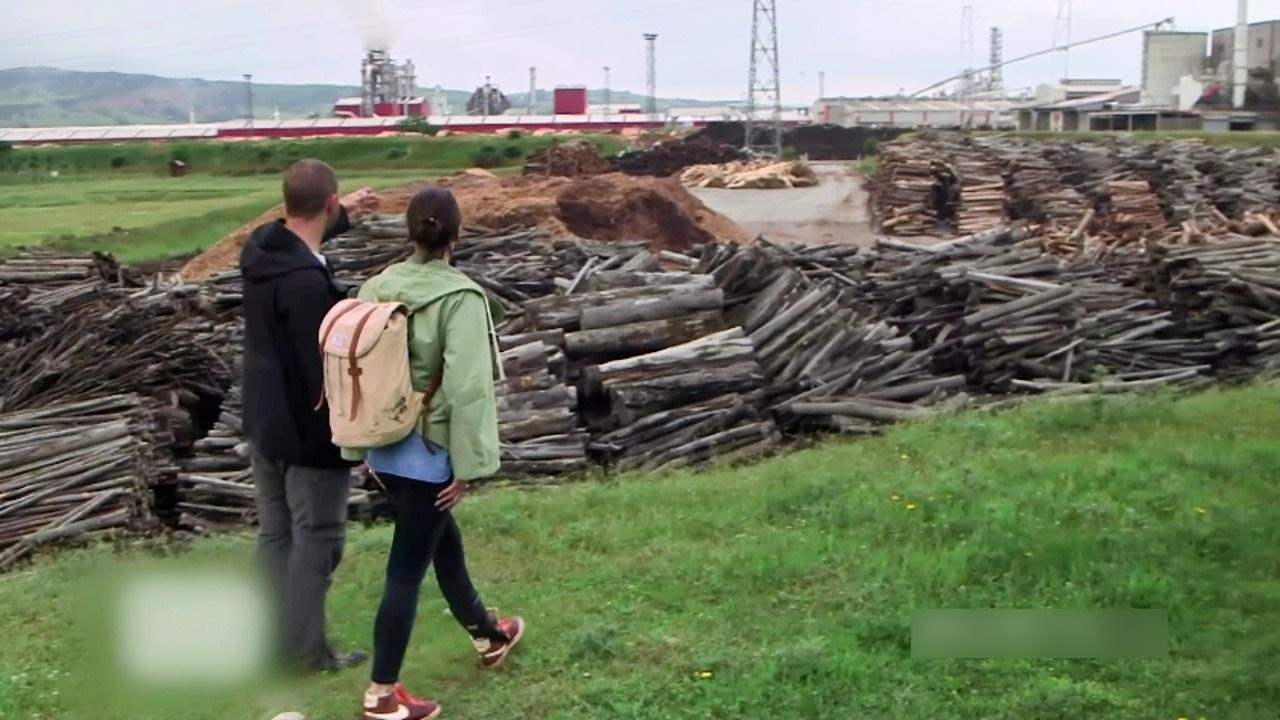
{"x": 365, "y": 349}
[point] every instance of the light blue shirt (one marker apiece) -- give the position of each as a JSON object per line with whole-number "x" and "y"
{"x": 413, "y": 458}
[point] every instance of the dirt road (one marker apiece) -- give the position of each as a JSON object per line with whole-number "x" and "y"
{"x": 835, "y": 211}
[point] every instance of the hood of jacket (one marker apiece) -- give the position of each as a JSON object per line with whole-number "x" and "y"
{"x": 274, "y": 250}
{"x": 418, "y": 283}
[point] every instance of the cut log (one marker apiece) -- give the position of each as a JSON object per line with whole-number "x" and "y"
{"x": 642, "y": 337}
{"x": 671, "y": 304}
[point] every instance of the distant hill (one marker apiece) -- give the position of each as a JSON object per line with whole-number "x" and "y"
{"x": 43, "y": 97}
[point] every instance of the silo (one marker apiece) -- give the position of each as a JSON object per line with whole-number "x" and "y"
{"x": 1166, "y": 58}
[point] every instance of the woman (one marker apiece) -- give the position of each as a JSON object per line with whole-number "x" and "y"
{"x": 452, "y": 355}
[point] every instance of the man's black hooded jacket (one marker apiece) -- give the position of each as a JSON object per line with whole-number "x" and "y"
{"x": 287, "y": 292}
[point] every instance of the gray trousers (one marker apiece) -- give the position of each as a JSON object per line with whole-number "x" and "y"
{"x": 302, "y": 517}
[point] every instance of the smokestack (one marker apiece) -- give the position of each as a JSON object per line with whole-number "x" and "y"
{"x": 533, "y": 90}
{"x": 652, "y": 75}
{"x": 1240, "y": 59}
{"x": 822, "y": 84}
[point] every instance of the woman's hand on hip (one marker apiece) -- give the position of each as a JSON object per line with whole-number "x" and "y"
{"x": 449, "y": 497}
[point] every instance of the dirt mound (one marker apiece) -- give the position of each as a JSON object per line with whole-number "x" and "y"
{"x": 669, "y": 158}
{"x": 573, "y": 159}
{"x": 602, "y": 207}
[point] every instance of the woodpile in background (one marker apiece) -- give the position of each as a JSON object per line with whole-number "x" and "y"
{"x": 750, "y": 175}
{"x": 71, "y": 471}
{"x": 1083, "y": 195}
{"x": 127, "y": 414}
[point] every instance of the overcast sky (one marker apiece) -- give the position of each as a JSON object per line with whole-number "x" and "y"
{"x": 864, "y": 46}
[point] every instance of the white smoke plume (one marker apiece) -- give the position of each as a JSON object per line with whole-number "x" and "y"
{"x": 372, "y": 21}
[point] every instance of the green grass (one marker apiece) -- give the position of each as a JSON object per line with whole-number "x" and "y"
{"x": 139, "y": 213}
{"x": 144, "y": 218}
{"x": 867, "y": 165}
{"x": 272, "y": 156}
{"x": 785, "y": 589}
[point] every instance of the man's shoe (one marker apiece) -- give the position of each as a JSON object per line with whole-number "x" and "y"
{"x": 399, "y": 705}
{"x": 494, "y": 652}
{"x": 341, "y": 661}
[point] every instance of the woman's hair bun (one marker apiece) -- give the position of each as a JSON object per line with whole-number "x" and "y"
{"x": 431, "y": 232}
{"x": 434, "y": 219}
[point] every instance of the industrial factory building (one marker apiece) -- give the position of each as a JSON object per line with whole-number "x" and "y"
{"x": 914, "y": 113}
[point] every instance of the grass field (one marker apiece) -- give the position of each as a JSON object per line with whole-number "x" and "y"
{"x": 271, "y": 156}
{"x": 139, "y": 213}
{"x": 785, "y": 589}
{"x": 146, "y": 218}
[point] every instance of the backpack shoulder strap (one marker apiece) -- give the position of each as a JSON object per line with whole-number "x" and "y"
{"x": 351, "y": 304}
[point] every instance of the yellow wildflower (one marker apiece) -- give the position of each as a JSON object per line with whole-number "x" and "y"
{"x": 911, "y": 506}
{"x": 1201, "y": 511}
{"x": 706, "y": 674}
{"x": 895, "y": 496}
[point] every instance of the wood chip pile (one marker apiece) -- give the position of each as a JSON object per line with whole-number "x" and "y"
{"x": 750, "y": 175}
{"x": 572, "y": 159}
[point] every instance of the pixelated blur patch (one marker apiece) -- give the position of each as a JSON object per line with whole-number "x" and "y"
{"x": 1039, "y": 634}
{"x": 173, "y": 633}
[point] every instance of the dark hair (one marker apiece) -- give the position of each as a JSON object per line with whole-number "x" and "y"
{"x": 434, "y": 220}
{"x": 308, "y": 185}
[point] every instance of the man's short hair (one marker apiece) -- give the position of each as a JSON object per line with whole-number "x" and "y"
{"x": 308, "y": 185}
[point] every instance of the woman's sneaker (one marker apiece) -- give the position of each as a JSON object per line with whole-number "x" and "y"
{"x": 494, "y": 652}
{"x": 399, "y": 705}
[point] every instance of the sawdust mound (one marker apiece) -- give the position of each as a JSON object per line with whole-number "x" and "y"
{"x": 602, "y": 207}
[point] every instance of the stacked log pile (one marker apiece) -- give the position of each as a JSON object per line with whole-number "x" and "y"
{"x": 1115, "y": 192}
{"x": 909, "y": 331}
{"x": 1036, "y": 190}
{"x": 537, "y": 411}
{"x": 56, "y": 270}
{"x": 72, "y": 471}
{"x": 620, "y": 357}
{"x": 980, "y": 197}
{"x": 907, "y": 190}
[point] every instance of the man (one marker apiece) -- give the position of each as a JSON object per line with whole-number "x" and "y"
{"x": 302, "y": 482}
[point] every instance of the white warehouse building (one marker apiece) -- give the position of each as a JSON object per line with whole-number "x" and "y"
{"x": 1167, "y": 57}
{"x": 914, "y": 113}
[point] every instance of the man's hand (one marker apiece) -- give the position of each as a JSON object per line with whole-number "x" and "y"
{"x": 360, "y": 203}
{"x": 449, "y": 497}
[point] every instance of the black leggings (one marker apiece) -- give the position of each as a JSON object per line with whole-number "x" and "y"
{"x": 423, "y": 534}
